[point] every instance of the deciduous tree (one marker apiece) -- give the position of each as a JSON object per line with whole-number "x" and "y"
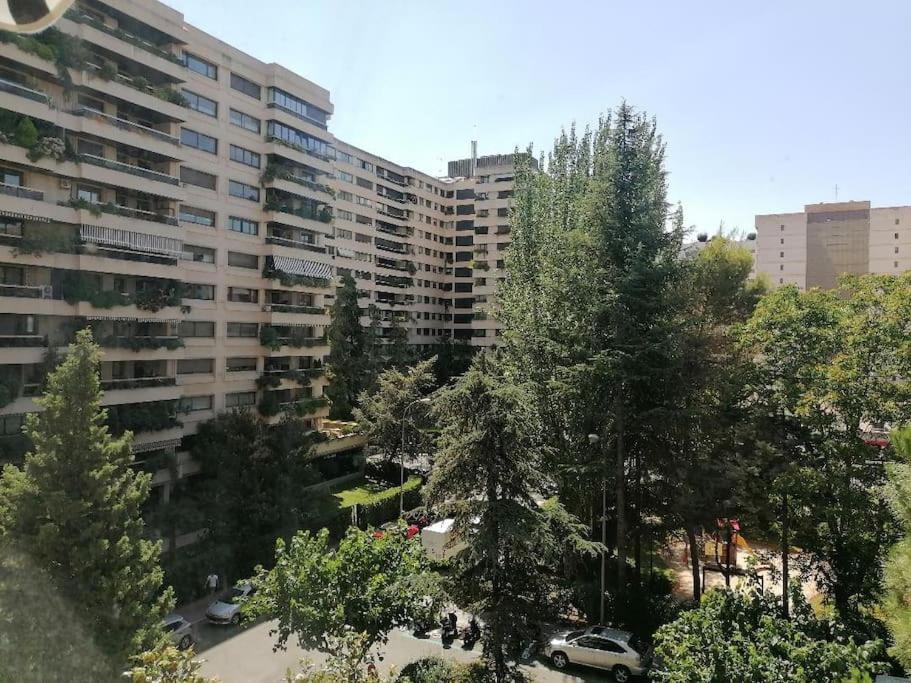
{"x": 347, "y": 365}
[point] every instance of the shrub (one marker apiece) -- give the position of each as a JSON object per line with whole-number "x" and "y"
{"x": 48, "y": 146}
{"x": 26, "y": 133}
{"x": 439, "y": 670}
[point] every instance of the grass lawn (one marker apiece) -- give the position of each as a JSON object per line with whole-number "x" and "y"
{"x": 368, "y": 492}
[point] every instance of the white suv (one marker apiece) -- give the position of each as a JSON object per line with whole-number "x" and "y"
{"x": 619, "y": 652}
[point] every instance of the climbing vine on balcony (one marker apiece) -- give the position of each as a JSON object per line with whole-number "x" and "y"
{"x": 10, "y": 383}
{"x": 157, "y": 294}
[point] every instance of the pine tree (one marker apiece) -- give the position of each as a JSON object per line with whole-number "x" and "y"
{"x": 398, "y": 353}
{"x": 347, "y": 363}
{"x": 74, "y": 509}
{"x": 896, "y": 606}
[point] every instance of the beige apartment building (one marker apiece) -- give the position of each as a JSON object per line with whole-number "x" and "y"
{"x": 190, "y": 204}
{"x": 814, "y": 247}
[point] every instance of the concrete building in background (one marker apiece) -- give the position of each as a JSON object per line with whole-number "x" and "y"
{"x": 190, "y": 204}
{"x": 816, "y": 246}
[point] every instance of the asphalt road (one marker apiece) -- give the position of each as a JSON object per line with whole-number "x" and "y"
{"x": 245, "y": 655}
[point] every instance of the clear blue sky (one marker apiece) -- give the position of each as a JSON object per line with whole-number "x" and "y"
{"x": 764, "y": 105}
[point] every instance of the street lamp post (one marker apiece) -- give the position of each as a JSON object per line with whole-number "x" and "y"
{"x": 594, "y": 439}
{"x": 402, "y": 454}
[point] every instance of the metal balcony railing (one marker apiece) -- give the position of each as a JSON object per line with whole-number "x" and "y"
{"x": 126, "y": 125}
{"x": 146, "y": 173}
{"x": 296, "y": 244}
{"x": 137, "y": 383}
{"x": 22, "y": 291}
{"x": 20, "y": 191}
{"x": 20, "y": 90}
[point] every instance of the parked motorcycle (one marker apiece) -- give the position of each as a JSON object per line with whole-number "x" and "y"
{"x": 471, "y": 633}
{"x": 449, "y": 628}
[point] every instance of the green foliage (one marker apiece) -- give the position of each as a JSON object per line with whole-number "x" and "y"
{"x": 896, "y": 605}
{"x": 151, "y": 416}
{"x": 167, "y": 664}
{"x": 739, "y": 636}
{"x": 382, "y": 408}
{"x": 75, "y": 509}
{"x": 10, "y": 383}
{"x": 825, "y": 366}
{"x": 37, "y": 242}
{"x": 347, "y": 362}
{"x": 26, "y": 134}
{"x": 489, "y": 466}
{"x": 342, "y": 600}
{"x": 249, "y": 492}
{"x": 439, "y": 670}
{"x": 290, "y": 280}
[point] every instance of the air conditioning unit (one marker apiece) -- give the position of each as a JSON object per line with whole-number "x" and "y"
{"x": 47, "y": 291}
{"x": 65, "y": 184}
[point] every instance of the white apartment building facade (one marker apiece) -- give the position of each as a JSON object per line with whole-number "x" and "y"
{"x": 189, "y": 203}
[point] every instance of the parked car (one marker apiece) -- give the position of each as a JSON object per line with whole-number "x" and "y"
{"x": 179, "y": 630}
{"x": 227, "y": 611}
{"x": 619, "y": 652}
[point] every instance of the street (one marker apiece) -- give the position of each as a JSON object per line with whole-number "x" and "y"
{"x": 245, "y": 655}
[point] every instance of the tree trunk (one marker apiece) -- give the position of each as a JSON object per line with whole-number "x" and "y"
{"x": 694, "y": 560}
{"x": 620, "y": 494}
{"x": 637, "y": 538}
{"x": 785, "y": 568}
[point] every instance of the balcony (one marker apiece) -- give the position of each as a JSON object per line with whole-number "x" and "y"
{"x": 126, "y": 125}
{"x": 392, "y": 177}
{"x": 323, "y": 214}
{"x": 20, "y": 191}
{"x": 138, "y": 383}
{"x": 392, "y": 212}
{"x": 22, "y": 341}
{"x": 392, "y": 281}
{"x": 295, "y": 244}
{"x": 390, "y": 228}
{"x": 141, "y": 342}
{"x": 25, "y": 291}
{"x": 78, "y": 17}
{"x": 291, "y": 308}
{"x": 21, "y": 91}
{"x": 394, "y": 247}
{"x": 119, "y": 210}
{"x": 146, "y": 173}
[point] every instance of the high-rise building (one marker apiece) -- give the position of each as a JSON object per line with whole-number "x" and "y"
{"x": 190, "y": 204}
{"x": 824, "y": 241}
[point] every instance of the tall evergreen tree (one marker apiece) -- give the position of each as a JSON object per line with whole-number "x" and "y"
{"x": 74, "y": 509}
{"x": 347, "y": 363}
{"x": 896, "y": 603}
{"x": 398, "y": 353}
{"x": 487, "y": 472}
{"x": 590, "y": 302}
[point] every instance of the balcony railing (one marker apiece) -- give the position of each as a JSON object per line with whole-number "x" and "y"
{"x": 296, "y": 244}
{"x": 22, "y": 91}
{"x": 393, "y": 213}
{"x": 324, "y": 214}
{"x": 22, "y": 340}
{"x": 299, "y": 148}
{"x": 125, "y": 36}
{"x": 291, "y": 308}
{"x": 129, "y": 168}
{"x": 22, "y": 291}
{"x": 137, "y": 383}
{"x": 119, "y": 210}
{"x": 20, "y": 191}
{"x": 126, "y": 125}
{"x": 391, "y": 229}
{"x": 395, "y": 248}
{"x": 393, "y": 179}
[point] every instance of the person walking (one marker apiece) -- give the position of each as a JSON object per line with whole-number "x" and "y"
{"x": 212, "y": 583}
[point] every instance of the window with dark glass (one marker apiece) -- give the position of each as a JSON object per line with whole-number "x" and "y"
{"x": 243, "y": 191}
{"x": 190, "y": 404}
{"x": 243, "y": 329}
{"x": 240, "y": 364}
{"x": 196, "y": 328}
{"x": 8, "y": 177}
{"x": 299, "y": 139}
{"x": 243, "y": 295}
{"x": 190, "y": 214}
{"x": 240, "y": 260}
{"x": 298, "y": 107}
{"x": 243, "y": 225}
{"x": 200, "y": 66}
{"x": 195, "y": 366}
{"x": 203, "y": 105}
{"x": 202, "y": 292}
{"x": 191, "y": 176}
{"x": 241, "y": 120}
{"x": 192, "y": 252}
{"x": 240, "y": 399}
{"x": 245, "y": 156}
{"x": 246, "y": 86}
{"x": 196, "y": 140}
{"x": 464, "y": 209}
{"x": 464, "y": 240}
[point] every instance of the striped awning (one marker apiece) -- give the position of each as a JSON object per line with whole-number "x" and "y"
{"x": 134, "y": 241}
{"x": 296, "y": 266}
{"x": 25, "y": 216}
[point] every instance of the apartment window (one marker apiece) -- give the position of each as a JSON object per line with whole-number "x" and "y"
{"x": 245, "y": 156}
{"x": 363, "y": 201}
{"x": 344, "y": 215}
{"x": 344, "y": 156}
{"x": 245, "y": 121}
{"x": 196, "y": 328}
{"x": 341, "y": 233}
{"x": 240, "y": 364}
{"x": 243, "y": 225}
{"x": 195, "y": 366}
{"x": 191, "y": 176}
{"x": 346, "y": 196}
{"x": 240, "y": 399}
{"x": 464, "y": 209}
{"x": 202, "y": 292}
{"x": 366, "y": 165}
{"x": 200, "y": 66}
{"x": 11, "y": 227}
{"x": 95, "y": 149}
{"x": 239, "y": 260}
{"x": 502, "y": 212}
{"x": 92, "y": 195}
{"x": 12, "y": 178}
{"x": 781, "y": 240}
{"x": 191, "y": 252}
{"x": 504, "y": 194}
{"x": 191, "y": 404}
{"x": 781, "y": 267}
{"x": 897, "y": 221}
{"x": 201, "y": 104}
{"x": 896, "y": 235}
{"x": 246, "y": 86}
{"x": 347, "y": 177}
{"x": 298, "y": 107}
{"x": 243, "y": 295}
{"x": 299, "y": 139}
{"x": 782, "y": 228}
{"x": 781, "y": 254}
{"x": 249, "y": 330}
{"x": 896, "y": 250}
{"x": 243, "y": 191}
{"x": 190, "y": 214}
{"x": 366, "y": 184}
{"x": 365, "y": 239}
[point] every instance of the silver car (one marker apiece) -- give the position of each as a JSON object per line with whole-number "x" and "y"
{"x": 179, "y": 630}
{"x": 227, "y": 611}
{"x": 619, "y": 652}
